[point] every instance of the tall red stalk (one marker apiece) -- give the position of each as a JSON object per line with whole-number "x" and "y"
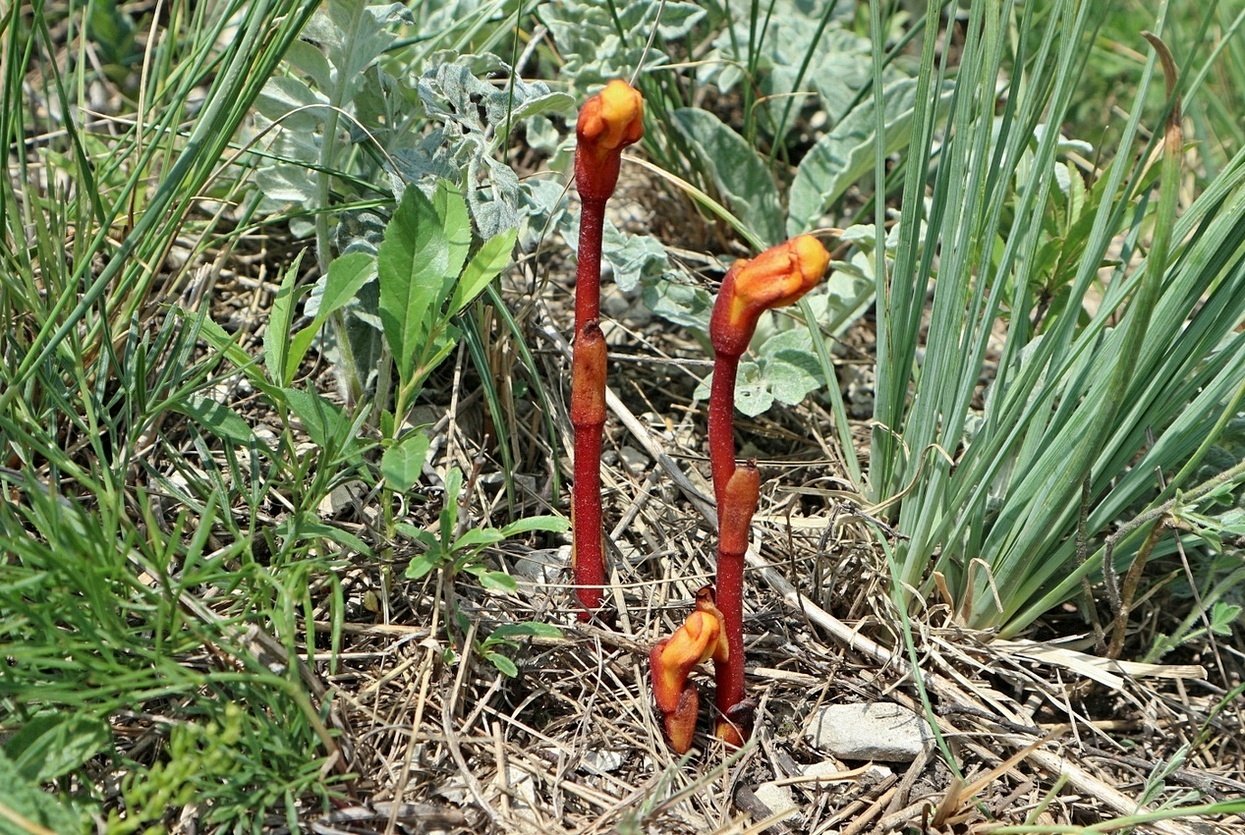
{"x": 588, "y": 369}
{"x": 608, "y": 122}
{"x": 738, "y": 504}
{"x": 778, "y": 276}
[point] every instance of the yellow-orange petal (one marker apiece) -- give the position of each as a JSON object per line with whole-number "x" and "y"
{"x": 705, "y": 602}
{"x": 701, "y": 637}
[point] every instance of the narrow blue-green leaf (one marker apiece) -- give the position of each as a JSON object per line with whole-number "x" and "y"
{"x": 739, "y": 172}
{"x": 403, "y": 462}
{"x": 217, "y": 418}
{"x": 483, "y": 267}
{"x": 411, "y": 265}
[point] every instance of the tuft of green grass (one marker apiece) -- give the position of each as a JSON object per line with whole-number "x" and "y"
{"x": 125, "y": 504}
{"x": 1117, "y": 354}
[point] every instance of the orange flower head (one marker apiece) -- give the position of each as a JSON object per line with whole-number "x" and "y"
{"x": 778, "y": 276}
{"x": 608, "y": 122}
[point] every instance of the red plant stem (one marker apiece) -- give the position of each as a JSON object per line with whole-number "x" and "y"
{"x": 588, "y": 265}
{"x": 588, "y": 368}
{"x": 739, "y": 503}
{"x": 722, "y": 424}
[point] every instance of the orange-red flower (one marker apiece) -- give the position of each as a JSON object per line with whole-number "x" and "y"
{"x": 608, "y": 122}
{"x": 778, "y": 276}
{"x": 701, "y": 637}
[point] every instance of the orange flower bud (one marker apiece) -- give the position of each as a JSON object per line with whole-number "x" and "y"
{"x": 608, "y": 122}
{"x": 700, "y": 638}
{"x": 778, "y": 276}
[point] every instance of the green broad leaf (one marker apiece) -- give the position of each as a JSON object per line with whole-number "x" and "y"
{"x": 293, "y": 103}
{"x": 554, "y": 524}
{"x": 792, "y": 375}
{"x": 345, "y": 277}
{"x": 845, "y": 154}
{"x": 635, "y": 259}
{"x": 23, "y": 797}
{"x": 503, "y": 664}
{"x": 53, "y": 744}
{"x": 310, "y": 62}
{"x": 452, "y": 210}
{"x": 526, "y": 629}
{"x": 411, "y": 265}
{"x": 217, "y": 418}
{"x": 497, "y": 581}
{"x": 403, "y": 462}
{"x": 1223, "y": 616}
{"x": 421, "y": 565}
{"x": 478, "y": 538}
{"x": 284, "y": 183}
{"x": 434, "y": 351}
{"x": 324, "y": 422}
{"x": 739, "y": 173}
{"x": 492, "y": 257}
{"x": 540, "y": 105}
{"x": 308, "y": 526}
{"x": 277, "y": 330}
{"x": 687, "y": 305}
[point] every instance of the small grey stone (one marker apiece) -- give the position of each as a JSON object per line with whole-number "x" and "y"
{"x": 878, "y": 731}
{"x": 635, "y": 460}
{"x": 778, "y": 799}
